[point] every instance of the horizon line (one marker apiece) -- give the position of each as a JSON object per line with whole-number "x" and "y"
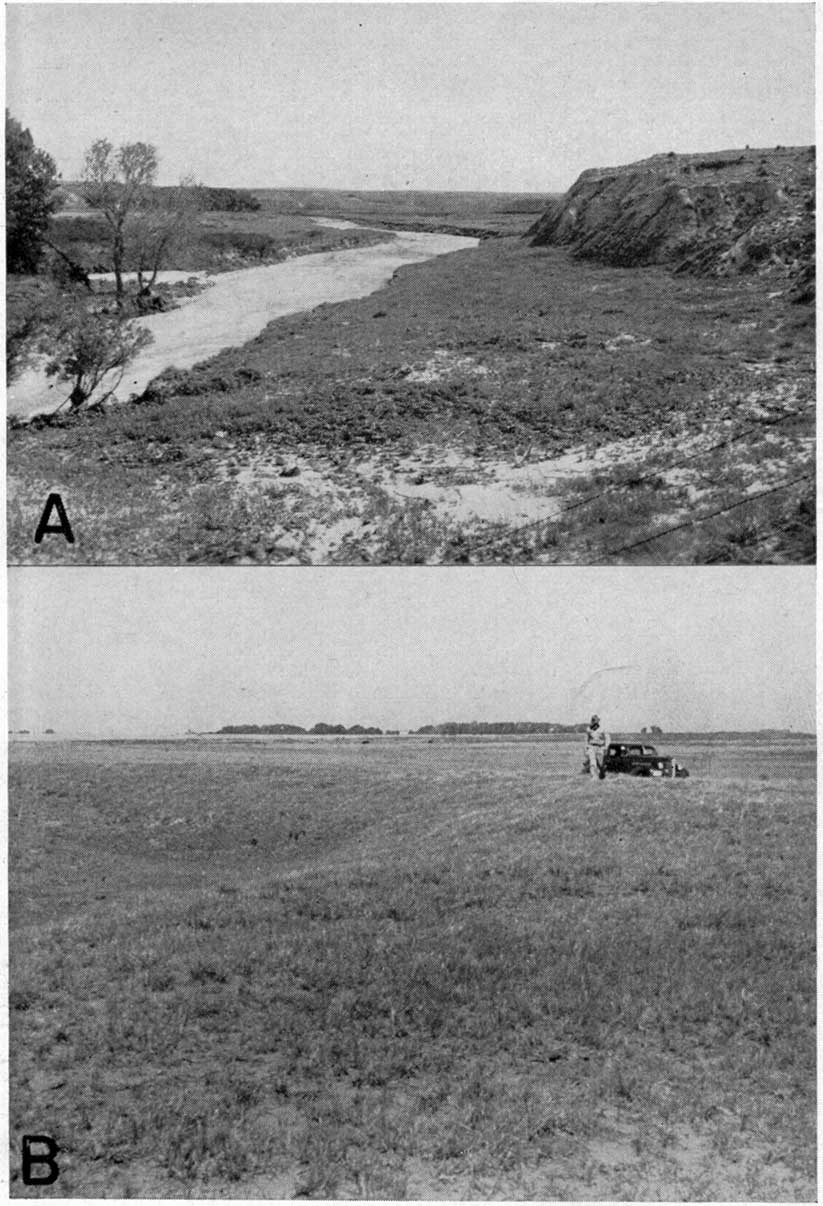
{"x": 17, "y": 734}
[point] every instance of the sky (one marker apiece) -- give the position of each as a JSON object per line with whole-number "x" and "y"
{"x": 150, "y": 652}
{"x": 506, "y": 97}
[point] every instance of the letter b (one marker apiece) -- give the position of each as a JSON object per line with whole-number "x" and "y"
{"x": 30, "y": 1158}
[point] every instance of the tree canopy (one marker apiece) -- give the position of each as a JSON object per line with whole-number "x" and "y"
{"x": 115, "y": 181}
{"x": 145, "y": 222}
{"x": 31, "y": 179}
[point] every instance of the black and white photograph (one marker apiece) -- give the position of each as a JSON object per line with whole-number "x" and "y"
{"x": 481, "y": 884}
{"x": 410, "y": 284}
{"x": 411, "y": 763}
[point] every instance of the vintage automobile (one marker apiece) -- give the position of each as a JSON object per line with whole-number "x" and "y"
{"x": 630, "y": 758}
{"x": 636, "y": 758}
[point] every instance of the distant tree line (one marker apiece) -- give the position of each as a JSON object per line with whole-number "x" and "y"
{"x": 206, "y": 199}
{"x": 164, "y": 196}
{"x": 233, "y": 200}
{"x": 449, "y": 728}
{"x": 455, "y": 727}
{"x": 318, "y": 730}
{"x": 262, "y": 728}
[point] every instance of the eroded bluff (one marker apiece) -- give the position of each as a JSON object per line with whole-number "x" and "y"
{"x": 718, "y": 213}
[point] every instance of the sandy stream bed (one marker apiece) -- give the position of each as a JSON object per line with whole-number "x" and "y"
{"x": 236, "y": 306}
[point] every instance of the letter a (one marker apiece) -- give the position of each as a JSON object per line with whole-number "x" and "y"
{"x": 54, "y": 502}
{"x": 30, "y": 1157}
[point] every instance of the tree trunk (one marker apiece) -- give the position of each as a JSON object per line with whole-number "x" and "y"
{"x": 117, "y": 253}
{"x": 77, "y": 396}
{"x": 76, "y": 271}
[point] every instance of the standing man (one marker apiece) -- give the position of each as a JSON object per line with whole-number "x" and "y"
{"x": 596, "y": 742}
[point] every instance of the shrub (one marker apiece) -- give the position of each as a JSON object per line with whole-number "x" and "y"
{"x": 87, "y": 347}
{"x": 32, "y": 307}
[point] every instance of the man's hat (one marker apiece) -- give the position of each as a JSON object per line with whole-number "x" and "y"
{"x": 595, "y": 718}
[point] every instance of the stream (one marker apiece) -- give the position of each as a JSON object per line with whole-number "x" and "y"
{"x": 237, "y": 305}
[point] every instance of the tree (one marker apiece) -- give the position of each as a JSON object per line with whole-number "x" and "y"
{"x": 159, "y": 229}
{"x": 145, "y": 223}
{"x": 31, "y": 178}
{"x": 87, "y": 346}
{"x": 117, "y": 183}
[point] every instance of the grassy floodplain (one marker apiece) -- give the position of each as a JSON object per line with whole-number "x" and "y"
{"x": 219, "y": 241}
{"x": 409, "y": 967}
{"x": 497, "y": 405}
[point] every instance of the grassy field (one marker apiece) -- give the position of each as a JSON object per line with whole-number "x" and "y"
{"x": 504, "y": 404}
{"x": 434, "y": 969}
{"x": 458, "y": 212}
